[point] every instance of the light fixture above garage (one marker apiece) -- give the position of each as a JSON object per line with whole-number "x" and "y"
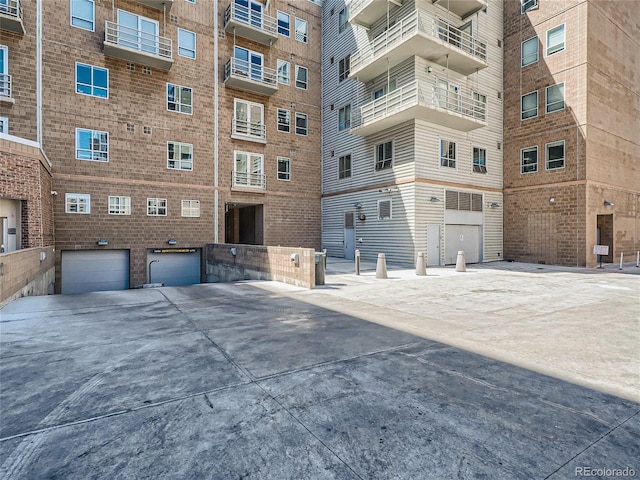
{"x": 102, "y": 242}
{"x": 172, "y": 241}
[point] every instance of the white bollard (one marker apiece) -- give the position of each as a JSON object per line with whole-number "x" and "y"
{"x": 381, "y": 266}
{"x": 357, "y": 262}
{"x": 421, "y": 267}
{"x": 461, "y": 265}
{"x": 621, "y": 257}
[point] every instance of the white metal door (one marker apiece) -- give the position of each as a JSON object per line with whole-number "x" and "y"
{"x": 349, "y": 236}
{"x": 467, "y": 238}
{"x": 433, "y": 245}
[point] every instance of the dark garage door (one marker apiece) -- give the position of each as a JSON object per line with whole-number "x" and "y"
{"x": 174, "y": 268}
{"x": 94, "y": 270}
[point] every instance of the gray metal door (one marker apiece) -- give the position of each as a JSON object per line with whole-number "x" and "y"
{"x": 349, "y": 236}
{"x": 94, "y": 270}
{"x": 174, "y": 269}
{"x": 433, "y": 245}
{"x": 462, "y": 237}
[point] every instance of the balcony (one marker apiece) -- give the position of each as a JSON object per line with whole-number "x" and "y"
{"x": 251, "y": 77}
{"x": 137, "y": 46}
{"x": 251, "y": 131}
{"x": 462, "y": 8}
{"x": 162, "y": 5}
{"x": 366, "y": 12}
{"x": 249, "y": 181}
{"x": 429, "y": 100}
{"x": 5, "y": 88}
{"x": 248, "y": 23}
{"x": 11, "y": 16}
{"x": 423, "y": 35}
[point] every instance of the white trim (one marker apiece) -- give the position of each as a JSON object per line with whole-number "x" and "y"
{"x": 350, "y": 166}
{"x": 126, "y": 205}
{"x": 288, "y": 160}
{"x": 5, "y": 125}
{"x": 347, "y": 127}
{"x": 546, "y": 99}
{"x": 537, "y": 105}
{"x": 93, "y": 3}
{"x": 92, "y": 86}
{"x": 564, "y": 40}
{"x": 455, "y": 158}
{"x": 537, "y": 159}
{"x": 278, "y": 118}
{"x": 306, "y": 116}
{"x": 546, "y": 155}
{"x": 288, "y": 82}
{"x": 179, "y": 160}
{"x": 77, "y": 196}
{"x": 195, "y": 43}
{"x": 166, "y": 207}
{"x": 190, "y": 208}
{"x": 75, "y": 145}
{"x": 175, "y": 85}
{"x": 522, "y": 51}
{"x": 375, "y": 158}
{"x": 278, "y": 26}
{"x": 306, "y": 87}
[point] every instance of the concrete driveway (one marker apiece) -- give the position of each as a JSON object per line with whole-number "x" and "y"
{"x": 234, "y": 381}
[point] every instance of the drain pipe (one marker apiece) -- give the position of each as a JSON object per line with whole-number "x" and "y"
{"x": 39, "y": 73}
{"x": 215, "y": 123}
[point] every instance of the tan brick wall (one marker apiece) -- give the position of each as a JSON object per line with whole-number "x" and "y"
{"x": 22, "y": 273}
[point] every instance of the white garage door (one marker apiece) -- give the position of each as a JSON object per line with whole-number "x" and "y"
{"x": 94, "y": 270}
{"x": 174, "y": 267}
{"x": 467, "y": 238}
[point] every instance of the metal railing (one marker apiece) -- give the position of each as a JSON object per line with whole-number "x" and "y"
{"x": 425, "y": 92}
{"x": 250, "y": 71}
{"x": 5, "y": 85}
{"x": 11, "y": 8}
{"x": 249, "y": 180}
{"x": 419, "y": 22}
{"x": 134, "y": 39}
{"x": 254, "y": 19}
{"x": 254, "y": 130}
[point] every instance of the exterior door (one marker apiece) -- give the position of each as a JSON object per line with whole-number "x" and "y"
{"x": 249, "y": 118}
{"x": 349, "y": 236}
{"x": 4, "y": 71}
{"x": 174, "y": 268}
{"x": 433, "y": 245}
{"x": 248, "y": 63}
{"x": 138, "y": 33}
{"x": 94, "y": 270}
{"x": 467, "y": 238}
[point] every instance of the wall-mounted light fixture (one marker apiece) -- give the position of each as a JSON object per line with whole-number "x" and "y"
{"x": 388, "y": 190}
{"x": 607, "y": 203}
{"x": 434, "y": 199}
{"x": 233, "y": 251}
{"x": 362, "y": 217}
{"x": 552, "y": 200}
{"x": 172, "y": 241}
{"x": 429, "y": 69}
{"x": 102, "y": 242}
{"x": 358, "y": 206}
{"x": 54, "y": 193}
{"x": 494, "y": 204}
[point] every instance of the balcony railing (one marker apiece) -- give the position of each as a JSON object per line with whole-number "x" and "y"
{"x": 250, "y": 24}
{"x": 11, "y": 16}
{"x": 257, "y": 181}
{"x": 137, "y": 46}
{"x": 5, "y": 87}
{"x": 250, "y": 76}
{"x": 423, "y": 35}
{"x": 246, "y": 130}
{"x": 428, "y": 100}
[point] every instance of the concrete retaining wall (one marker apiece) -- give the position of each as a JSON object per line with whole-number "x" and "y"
{"x": 22, "y": 273}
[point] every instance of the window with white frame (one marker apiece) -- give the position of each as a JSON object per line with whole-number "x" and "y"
{"x": 343, "y": 19}
{"x": 83, "y": 14}
{"x": 284, "y": 72}
{"x": 91, "y": 80}
{"x": 248, "y": 120}
{"x": 529, "y": 51}
{"x": 384, "y": 155}
{"x": 249, "y": 170}
{"x": 384, "y": 89}
{"x": 284, "y": 120}
{"x": 479, "y": 160}
{"x": 284, "y": 168}
{"x": 191, "y": 208}
{"x": 479, "y": 106}
{"x": 157, "y": 207}
{"x": 119, "y": 205}
{"x": 186, "y": 43}
{"x": 554, "y": 155}
{"x": 179, "y": 156}
{"x": 555, "y": 98}
{"x": 191, "y": 1}
{"x": 92, "y": 145}
{"x": 77, "y": 203}
{"x": 302, "y": 126}
{"x": 301, "y": 77}
{"x": 344, "y": 166}
{"x": 344, "y": 67}
{"x": 4, "y": 125}
{"x": 179, "y": 98}
{"x": 284, "y": 24}
{"x": 344, "y": 118}
{"x": 529, "y": 105}
{"x": 526, "y": 5}
{"x": 447, "y": 153}
{"x": 301, "y": 30}
{"x": 529, "y": 160}
{"x": 555, "y": 40}
{"x": 384, "y": 209}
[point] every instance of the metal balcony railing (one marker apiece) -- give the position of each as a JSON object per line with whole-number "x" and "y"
{"x": 249, "y": 180}
{"x": 242, "y": 69}
{"x": 419, "y": 22}
{"x": 254, "y": 19}
{"x": 143, "y": 42}
{"x": 5, "y": 85}
{"x": 252, "y": 130}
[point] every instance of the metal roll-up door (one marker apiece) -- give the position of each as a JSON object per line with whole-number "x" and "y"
{"x": 94, "y": 270}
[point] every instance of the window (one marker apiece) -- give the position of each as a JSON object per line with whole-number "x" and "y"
{"x": 4, "y": 125}
{"x": 301, "y": 30}
{"x": 284, "y": 120}
{"x": 343, "y": 19}
{"x": 384, "y": 209}
{"x": 344, "y": 166}
{"x": 284, "y": 24}
{"x": 186, "y": 43}
{"x": 77, "y": 203}
{"x": 384, "y": 155}
{"x": 157, "y": 207}
{"x": 92, "y": 80}
{"x": 344, "y": 118}
{"x": 191, "y": 208}
{"x": 447, "y": 154}
{"x": 248, "y": 171}
{"x": 284, "y": 168}
{"x": 554, "y": 155}
{"x": 344, "y": 67}
{"x": 555, "y": 98}
{"x": 301, "y": 77}
{"x": 555, "y": 40}
{"x": 248, "y": 120}
{"x": 529, "y": 105}
{"x": 382, "y": 91}
{"x": 284, "y": 72}
{"x": 527, "y": 5}
{"x": 119, "y": 205}
{"x": 301, "y": 123}
{"x": 92, "y": 145}
{"x": 479, "y": 160}
{"x": 529, "y": 160}
{"x": 179, "y": 98}
{"x": 82, "y": 14}
{"x": 529, "y": 51}
{"x": 479, "y": 106}
{"x": 179, "y": 156}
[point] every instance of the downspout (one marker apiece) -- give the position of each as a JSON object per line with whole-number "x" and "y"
{"x": 215, "y": 124}
{"x": 39, "y": 72}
